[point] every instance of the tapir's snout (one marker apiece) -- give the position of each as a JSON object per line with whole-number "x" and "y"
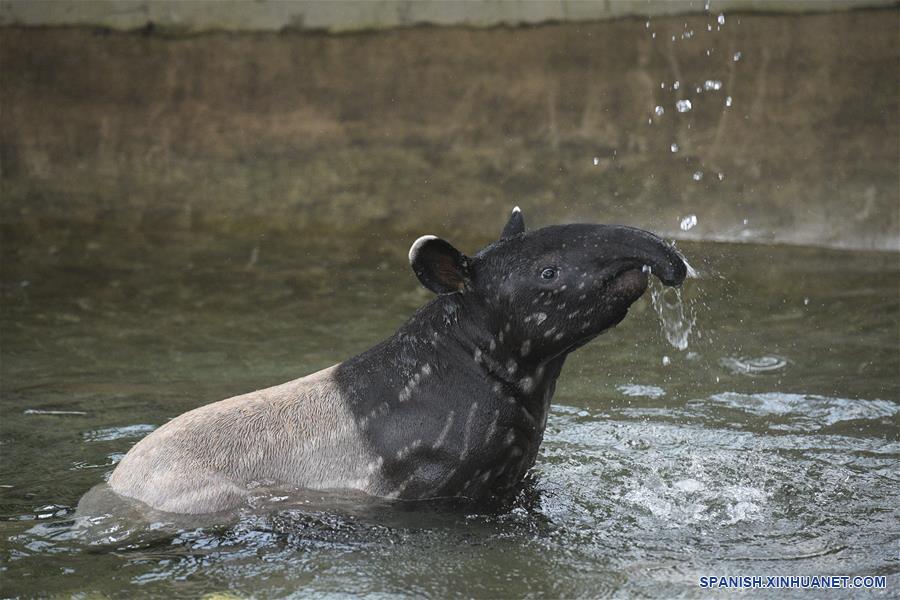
{"x": 629, "y": 247}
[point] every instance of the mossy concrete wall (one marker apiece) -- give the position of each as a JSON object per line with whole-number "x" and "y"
{"x": 791, "y": 136}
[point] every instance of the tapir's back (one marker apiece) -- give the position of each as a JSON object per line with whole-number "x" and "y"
{"x": 298, "y": 433}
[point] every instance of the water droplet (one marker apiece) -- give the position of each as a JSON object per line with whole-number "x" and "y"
{"x": 662, "y": 85}
{"x": 683, "y": 106}
{"x": 674, "y": 147}
{"x": 698, "y": 175}
{"x": 596, "y": 161}
{"x": 721, "y": 19}
{"x": 653, "y": 35}
{"x": 806, "y": 302}
{"x": 666, "y": 361}
{"x": 746, "y": 221}
{"x": 728, "y": 101}
{"x": 659, "y": 110}
{"x": 737, "y": 56}
{"x": 709, "y": 27}
{"x": 647, "y": 24}
{"x": 676, "y": 85}
{"x": 688, "y": 222}
{"x": 721, "y": 176}
{"x": 712, "y": 84}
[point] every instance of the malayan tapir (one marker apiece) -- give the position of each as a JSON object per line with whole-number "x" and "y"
{"x": 454, "y": 404}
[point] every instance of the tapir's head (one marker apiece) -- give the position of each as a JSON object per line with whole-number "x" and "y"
{"x": 551, "y": 289}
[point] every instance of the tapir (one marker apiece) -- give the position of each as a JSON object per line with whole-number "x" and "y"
{"x": 452, "y": 405}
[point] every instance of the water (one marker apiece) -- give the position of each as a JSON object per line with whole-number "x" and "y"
{"x": 769, "y": 445}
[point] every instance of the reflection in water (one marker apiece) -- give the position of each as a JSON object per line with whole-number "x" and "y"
{"x": 650, "y": 475}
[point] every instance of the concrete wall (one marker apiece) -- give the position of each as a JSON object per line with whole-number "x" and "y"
{"x": 355, "y": 15}
{"x": 792, "y": 135}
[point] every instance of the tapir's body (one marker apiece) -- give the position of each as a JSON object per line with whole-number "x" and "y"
{"x": 452, "y": 405}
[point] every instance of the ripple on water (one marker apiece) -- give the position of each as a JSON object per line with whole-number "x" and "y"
{"x": 753, "y": 365}
{"x": 804, "y": 412}
{"x": 117, "y": 433}
{"x": 645, "y": 391}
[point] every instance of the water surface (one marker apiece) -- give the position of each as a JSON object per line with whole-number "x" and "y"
{"x": 769, "y": 446}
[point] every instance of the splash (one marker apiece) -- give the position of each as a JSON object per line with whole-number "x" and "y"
{"x": 675, "y": 322}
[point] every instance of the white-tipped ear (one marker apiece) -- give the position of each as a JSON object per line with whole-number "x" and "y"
{"x": 439, "y": 266}
{"x": 515, "y": 225}
{"x": 417, "y": 245}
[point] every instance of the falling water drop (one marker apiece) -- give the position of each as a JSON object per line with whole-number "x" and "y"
{"x": 737, "y": 56}
{"x": 728, "y": 101}
{"x": 596, "y": 161}
{"x": 673, "y": 147}
{"x": 721, "y": 19}
{"x": 688, "y": 222}
{"x": 659, "y": 110}
{"x": 712, "y": 84}
{"x": 698, "y": 175}
{"x": 683, "y": 106}
{"x": 675, "y": 324}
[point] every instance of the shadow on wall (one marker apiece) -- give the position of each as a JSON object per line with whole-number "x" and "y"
{"x": 763, "y": 128}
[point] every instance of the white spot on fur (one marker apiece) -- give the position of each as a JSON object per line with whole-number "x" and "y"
{"x": 538, "y": 318}
{"x": 446, "y": 430}
{"x": 467, "y": 430}
{"x": 527, "y": 384}
{"x": 493, "y": 427}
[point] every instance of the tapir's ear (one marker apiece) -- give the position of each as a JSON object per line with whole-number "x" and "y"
{"x": 515, "y": 225}
{"x": 439, "y": 266}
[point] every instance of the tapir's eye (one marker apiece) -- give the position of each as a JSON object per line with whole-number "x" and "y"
{"x": 549, "y": 273}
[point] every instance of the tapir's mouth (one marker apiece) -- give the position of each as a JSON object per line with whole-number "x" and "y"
{"x": 629, "y": 284}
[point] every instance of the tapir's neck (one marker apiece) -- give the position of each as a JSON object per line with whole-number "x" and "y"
{"x": 454, "y": 337}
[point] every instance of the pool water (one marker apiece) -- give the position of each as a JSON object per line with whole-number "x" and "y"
{"x": 768, "y": 446}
